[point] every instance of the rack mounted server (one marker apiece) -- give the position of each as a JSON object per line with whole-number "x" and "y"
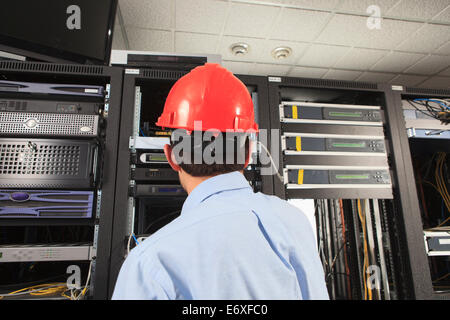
{"x": 46, "y": 204}
{"x": 46, "y": 252}
{"x": 300, "y": 177}
{"x": 308, "y": 112}
{"x": 28, "y": 109}
{"x": 335, "y": 148}
{"x": 47, "y": 163}
{"x": 49, "y": 117}
{"x": 46, "y": 124}
{"x": 437, "y": 243}
{"x": 51, "y": 89}
{"x": 332, "y": 144}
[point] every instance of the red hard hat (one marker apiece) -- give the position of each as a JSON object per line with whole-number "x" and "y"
{"x": 213, "y": 95}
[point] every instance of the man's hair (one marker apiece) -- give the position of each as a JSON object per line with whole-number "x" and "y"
{"x": 229, "y": 155}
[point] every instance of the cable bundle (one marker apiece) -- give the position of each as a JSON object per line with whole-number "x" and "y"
{"x": 39, "y": 290}
{"x": 362, "y": 218}
{"x": 52, "y": 289}
{"x": 438, "y": 109}
{"x": 441, "y": 187}
{"x": 440, "y": 183}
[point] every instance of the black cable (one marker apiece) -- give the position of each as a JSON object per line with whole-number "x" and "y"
{"x": 334, "y": 261}
{"x": 430, "y": 114}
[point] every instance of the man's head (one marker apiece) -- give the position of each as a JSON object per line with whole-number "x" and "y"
{"x": 212, "y": 98}
{"x": 198, "y": 156}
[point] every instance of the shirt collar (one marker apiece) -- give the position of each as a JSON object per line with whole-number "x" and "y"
{"x": 223, "y": 182}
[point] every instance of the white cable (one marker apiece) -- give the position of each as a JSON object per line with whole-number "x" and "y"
{"x": 129, "y": 242}
{"x": 140, "y": 239}
{"x": 271, "y": 161}
{"x": 441, "y": 100}
{"x": 85, "y": 289}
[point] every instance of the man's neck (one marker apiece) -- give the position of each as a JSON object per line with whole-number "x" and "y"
{"x": 189, "y": 182}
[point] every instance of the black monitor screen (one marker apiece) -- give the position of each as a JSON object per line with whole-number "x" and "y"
{"x": 68, "y": 30}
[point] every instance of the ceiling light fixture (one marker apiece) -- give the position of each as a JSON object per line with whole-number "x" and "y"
{"x": 281, "y": 53}
{"x": 239, "y": 49}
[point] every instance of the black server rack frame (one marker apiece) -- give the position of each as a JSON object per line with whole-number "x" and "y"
{"x": 102, "y": 224}
{"x": 122, "y": 222}
{"x": 412, "y": 218}
{"x": 414, "y": 272}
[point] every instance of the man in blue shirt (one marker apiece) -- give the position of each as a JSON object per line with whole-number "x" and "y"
{"x": 228, "y": 242}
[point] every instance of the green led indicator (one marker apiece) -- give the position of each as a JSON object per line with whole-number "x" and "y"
{"x": 349, "y": 145}
{"x": 345, "y": 114}
{"x": 158, "y": 158}
{"x": 356, "y": 177}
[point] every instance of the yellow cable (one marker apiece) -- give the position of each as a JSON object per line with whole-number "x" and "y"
{"x": 440, "y": 192}
{"x": 441, "y": 177}
{"x": 441, "y": 183}
{"x": 47, "y": 288}
{"x": 363, "y": 224}
{"x": 63, "y": 294}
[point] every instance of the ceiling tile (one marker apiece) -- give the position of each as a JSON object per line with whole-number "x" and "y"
{"x": 319, "y": 55}
{"x": 342, "y": 74}
{"x": 116, "y": 18}
{"x": 204, "y": 16}
{"x": 118, "y": 43}
{"x": 238, "y": 67}
{"x": 445, "y": 49}
{"x": 298, "y": 25}
{"x": 397, "y": 61}
{"x": 256, "y": 46}
{"x": 427, "y": 39}
{"x": 443, "y": 16}
{"x": 360, "y": 6}
{"x": 353, "y": 31}
{"x": 313, "y": 4}
{"x": 417, "y": 9}
{"x": 377, "y": 77}
{"x": 407, "y": 80}
{"x": 250, "y": 20}
{"x": 150, "y": 40}
{"x": 358, "y": 58}
{"x": 436, "y": 83}
{"x": 195, "y": 43}
{"x": 265, "y": 55}
{"x": 305, "y": 72}
{"x": 147, "y": 14}
{"x": 264, "y": 69}
{"x": 430, "y": 65}
{"x": 445, "y": 72}
{"x": 305, "y": 4}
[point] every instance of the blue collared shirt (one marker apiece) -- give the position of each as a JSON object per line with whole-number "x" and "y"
{"x": 227, "y": 243}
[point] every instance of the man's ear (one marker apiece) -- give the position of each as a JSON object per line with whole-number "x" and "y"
{"x": 170, "y": 158}
{"x": 250, "y": 147}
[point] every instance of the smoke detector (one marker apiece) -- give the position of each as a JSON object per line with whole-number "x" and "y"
{"x": 281, "y": 53}
{"x": 239, "y": 49}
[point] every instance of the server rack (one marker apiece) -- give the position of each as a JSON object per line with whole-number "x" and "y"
{"x": 413, "y": 221}
{"x": 110, "y": 77}
{"x": 124, "y": 216}
{"x": 411, "y": 272}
